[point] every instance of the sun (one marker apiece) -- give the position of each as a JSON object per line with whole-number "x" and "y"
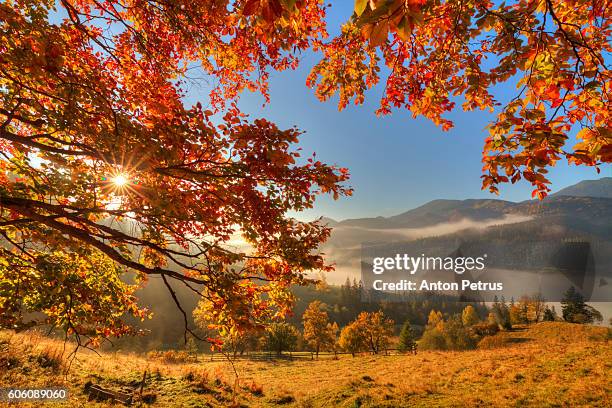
{"x": 120, "y": 180}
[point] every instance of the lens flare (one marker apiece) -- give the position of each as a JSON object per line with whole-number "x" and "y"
{"x": 120, "y": 180}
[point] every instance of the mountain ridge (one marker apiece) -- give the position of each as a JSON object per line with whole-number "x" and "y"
{"x": 588, "y": 188}
{"x": 441, "y": 211}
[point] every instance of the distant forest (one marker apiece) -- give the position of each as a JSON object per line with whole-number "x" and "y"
{"x": 344, "y": 303}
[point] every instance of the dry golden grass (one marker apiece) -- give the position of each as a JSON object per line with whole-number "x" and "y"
{"x": 548, "y": 364}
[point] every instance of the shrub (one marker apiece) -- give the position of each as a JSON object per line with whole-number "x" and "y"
{"x": 170, "y": 356}
{"x": 255, "y": 389}
{"x": 446, "y": 335}
{"x": 432, "y": 339}
{"x": 484, "y": 329}
{"x": 50, "y": 357}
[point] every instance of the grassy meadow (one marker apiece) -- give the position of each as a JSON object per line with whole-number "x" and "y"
{"x": 546, "y": 364}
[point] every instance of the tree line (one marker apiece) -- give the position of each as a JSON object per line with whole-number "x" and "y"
{"x": 375, "y": 332}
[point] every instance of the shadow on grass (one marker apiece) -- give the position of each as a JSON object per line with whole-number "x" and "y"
{"x": 518, "y": 340}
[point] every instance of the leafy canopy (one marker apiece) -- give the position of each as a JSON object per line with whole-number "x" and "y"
{"x": 433, "y": 54}
{"x": 281, "y": 337}
{"x": 370, "y": 331}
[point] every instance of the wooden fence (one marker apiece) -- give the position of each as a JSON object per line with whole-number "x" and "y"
{"x": 290, "y": 356}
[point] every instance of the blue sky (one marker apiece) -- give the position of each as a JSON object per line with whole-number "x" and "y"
{"x": 396, "y": 162}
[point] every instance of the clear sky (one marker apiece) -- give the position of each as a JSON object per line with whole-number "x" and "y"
{"x": 396, "y": 162}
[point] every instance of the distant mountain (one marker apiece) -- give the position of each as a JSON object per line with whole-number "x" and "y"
{"x": 588, "y": 188}
{"x": 329, "y": 222}
{"x": 452, "y": 211}
{"x": 441, "y": 211}
{"x": 437, "y": 212}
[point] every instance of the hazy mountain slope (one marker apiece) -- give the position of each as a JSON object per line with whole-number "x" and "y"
{"x": 589, "y": 188}
{"x": 501, "y": 226}
{"x": 437, "y": 212}
{"x": 450, "y": 211}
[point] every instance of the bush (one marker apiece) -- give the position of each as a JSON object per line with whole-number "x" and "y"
{"x": 51, "y": 357}
{"x": 170, "y": 356}
{"x": 255, "y": 389}
{"x": 447, "y": 335}
{"x": 432, "y": 339}
{"x": 484, "y": 329}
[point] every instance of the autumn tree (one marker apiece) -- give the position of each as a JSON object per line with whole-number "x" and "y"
{"x": 518, "y": 313}
{"x": 433, "y": 55}
{"x": 434, "y": 319}
{"x": 375, "y": 329}
{"x": 319, "y": 333}
{"x": 108, "y": 178}
{"x": 469, "y": 317}
{"x": 351, "y": 339}
{"x": 531, "y": 308}
{"x": 449, "y": 334}
{"x": 281, "y": 337}
{"x": 433, "y": 336}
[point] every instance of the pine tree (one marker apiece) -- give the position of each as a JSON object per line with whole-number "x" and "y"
{"x": 406, "y": 338}
{"x": 501, "y": 314}
{"x": 549, "y": 315}
{"x": 572, "y": 305}
{"x": 575, "y": 310}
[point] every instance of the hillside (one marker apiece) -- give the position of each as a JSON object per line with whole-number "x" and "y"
{"x": 581, "y": 196}
{"x": 437, "y": 212}
{"x": 589, "y": 188}
{"x": 552, "y": 364}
